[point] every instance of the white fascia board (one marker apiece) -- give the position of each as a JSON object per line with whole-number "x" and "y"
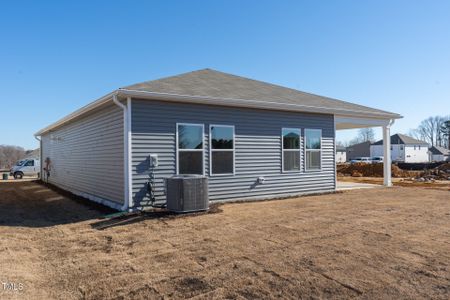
{"x": 220, "y": 102}
{"x": 252, "y": 104}
{"x": 77, "y": 113}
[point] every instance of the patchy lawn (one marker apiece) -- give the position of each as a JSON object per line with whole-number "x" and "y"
{"x": 373, "y": 243}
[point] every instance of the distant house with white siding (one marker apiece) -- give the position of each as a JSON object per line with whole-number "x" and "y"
{"x": 437, "y": 153}
{"x": 403, "y": 149}
{"x": 341, "y": 154}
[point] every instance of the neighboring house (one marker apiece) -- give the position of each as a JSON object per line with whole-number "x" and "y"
{"x": 437, "y": 153}
{"x": 341, "y": 155}
{"x": 403, "y": 149}
{"x": 254, "y": 140}
{"x": 358, "y": 150}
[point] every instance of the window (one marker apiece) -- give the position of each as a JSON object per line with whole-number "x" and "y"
{"x": 222, "y": 149}
{"x": 313, "y": 149}
{"x": 29, "y": 163}
{"x": 190, "y": 148}
{"x": 291, "y": 149}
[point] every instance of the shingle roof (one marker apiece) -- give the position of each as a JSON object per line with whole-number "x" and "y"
{"x": 217, "y": 88}
{"x": 398, "y": 139}
{"x": 439, "y": 150}
{"x": 215, "y": 84}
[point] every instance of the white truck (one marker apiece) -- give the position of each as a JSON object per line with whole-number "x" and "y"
{"x": 26, "y": 167}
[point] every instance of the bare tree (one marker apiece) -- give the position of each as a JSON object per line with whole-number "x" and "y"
{"x": 366, "y": 135}
{"x": 430, "y": 130}
{"x": 445, "y": 131}
{"x": 427, "y": 129}
{"x": 9, "y": 155}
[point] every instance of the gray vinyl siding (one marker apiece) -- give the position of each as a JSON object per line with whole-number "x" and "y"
{"x": 87, "y": 155}
{"x": 257, "y": 149}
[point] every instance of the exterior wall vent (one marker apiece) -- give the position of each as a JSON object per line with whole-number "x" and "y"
{"x": 187, "y": 193}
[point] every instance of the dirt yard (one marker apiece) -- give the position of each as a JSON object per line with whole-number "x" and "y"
{"x": 375, "y": 243}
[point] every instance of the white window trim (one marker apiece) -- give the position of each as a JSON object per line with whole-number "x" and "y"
{"x": 291, "y": 150}
{"x": 230, "y": 150}
{"x": 177, "y": 158}
{"x": 313, "y": 150}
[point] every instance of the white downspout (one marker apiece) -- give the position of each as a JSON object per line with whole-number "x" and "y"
{"x": 126, "y": 204}
{"x": 40, "y": 155}
{"x": 129, "y": 155}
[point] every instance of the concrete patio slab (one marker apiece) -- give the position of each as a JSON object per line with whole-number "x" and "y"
{"x": 342, "y": 186}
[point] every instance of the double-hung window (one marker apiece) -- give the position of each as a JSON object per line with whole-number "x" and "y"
{"x": 222, "y": 149}
{"x": 313, "y": 149}
{"x": 291, "y": 149}
{"x": 190, "y": 148}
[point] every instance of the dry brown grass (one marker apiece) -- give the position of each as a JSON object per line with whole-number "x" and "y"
{"x": 377, "y": 243}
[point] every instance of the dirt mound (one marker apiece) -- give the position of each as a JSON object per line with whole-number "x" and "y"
{"x": 441, "y": 172}
{"x": 444, "y": 167}
{"x": 370, "y": 170}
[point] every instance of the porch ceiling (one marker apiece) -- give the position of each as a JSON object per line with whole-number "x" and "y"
{"x": 347, "y": 122}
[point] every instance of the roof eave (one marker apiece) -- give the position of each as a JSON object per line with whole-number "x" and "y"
{"x": 214, "y": 101}
{"x": 252, "y": 104}
{"x": 79, "y": 112}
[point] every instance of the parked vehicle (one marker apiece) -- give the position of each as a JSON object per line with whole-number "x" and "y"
{"x": 27, "y": 167}
{"x": 364, "y": 160}
{"x": 377, "y": 159}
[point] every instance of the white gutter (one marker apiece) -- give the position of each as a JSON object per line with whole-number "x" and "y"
{"x": 217, "y": 101}
{"x": 252, "y": 104}
{"x": 126, "y": 142}
{"x": 78, "y": 113}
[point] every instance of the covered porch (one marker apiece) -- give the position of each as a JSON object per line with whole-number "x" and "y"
{"x": 342, "y": 122}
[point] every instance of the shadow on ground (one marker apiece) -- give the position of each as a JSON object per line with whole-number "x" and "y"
{"x": 131, "y": 218}
{"x": 35, "y": 204}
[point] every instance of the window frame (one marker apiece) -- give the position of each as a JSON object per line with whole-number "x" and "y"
{"x": 291, "y": 150}
{"x": 211, "y": 150}
{"x": 313, "y": 150}
{"x": 178, "y": 150}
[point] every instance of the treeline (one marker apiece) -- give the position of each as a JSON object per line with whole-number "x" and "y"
{"x": 434, "y": 130}
{"x": 11, "y": 154}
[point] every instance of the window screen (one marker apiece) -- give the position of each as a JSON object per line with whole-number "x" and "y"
{"x": 313, "y": 149}
{"x": 291, "y": 149}
{"x": 190, "y": 148}
{"x": 222, "y": 149}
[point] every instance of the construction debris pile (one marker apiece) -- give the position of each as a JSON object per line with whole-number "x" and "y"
{"x": 441, "y": 172}
{"x": 370, "y": 170}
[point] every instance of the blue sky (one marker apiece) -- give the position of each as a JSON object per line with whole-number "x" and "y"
{"x": 57, "y": 56}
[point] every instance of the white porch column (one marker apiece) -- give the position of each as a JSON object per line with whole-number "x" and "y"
{"x": 387, "y": 155}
